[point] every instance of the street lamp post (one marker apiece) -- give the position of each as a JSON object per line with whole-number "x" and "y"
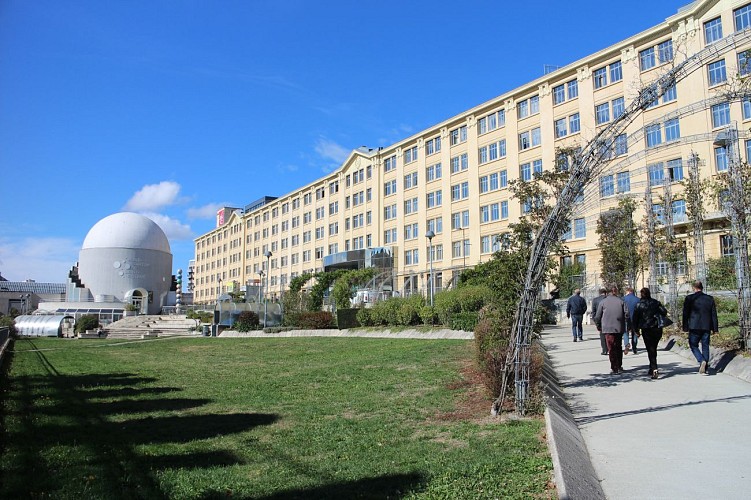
{"x": 267, "y": 253}
{"x": 429, "y": 235}
{"x": 260, "y": 286}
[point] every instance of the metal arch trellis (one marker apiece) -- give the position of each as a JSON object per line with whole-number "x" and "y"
{"x": 586, "y": 165}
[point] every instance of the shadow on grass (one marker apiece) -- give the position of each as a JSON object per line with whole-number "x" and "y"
{"x": 59, "y": 439}
{"x": 388, "y": 486}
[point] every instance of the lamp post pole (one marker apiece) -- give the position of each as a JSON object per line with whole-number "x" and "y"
{"x": 267, "y": 253}
{"x": 260, "y": 286}
{"x": 429, "y": 235}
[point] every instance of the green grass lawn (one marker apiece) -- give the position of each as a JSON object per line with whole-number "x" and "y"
{"x": 258, "y": 418}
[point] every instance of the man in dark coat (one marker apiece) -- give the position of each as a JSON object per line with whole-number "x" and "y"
{"x": 611, "y": 316}
{"x": 699, "y": 320}
{"x": 596, "y": 302}
{"x": 575, "y": 309}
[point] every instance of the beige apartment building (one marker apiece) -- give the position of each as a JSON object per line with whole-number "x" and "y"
{"x": 452, "y": 179}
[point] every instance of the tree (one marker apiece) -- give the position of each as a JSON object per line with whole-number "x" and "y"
{"x": 619, "y": 243}
{"x": 567, "y": 279}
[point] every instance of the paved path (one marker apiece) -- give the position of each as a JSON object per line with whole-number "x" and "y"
{"x": 683, "y": 436}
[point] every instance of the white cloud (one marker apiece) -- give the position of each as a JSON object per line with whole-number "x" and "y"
{"x": 206, "y": 212}
{"x": 154, "y": 196}
{"x": 173, "y": 228}
{"x": 330, "y": 150}
{"x": 44, "y": 260}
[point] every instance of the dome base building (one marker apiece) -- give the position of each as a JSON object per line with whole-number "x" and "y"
{"x": 125, "y": 263}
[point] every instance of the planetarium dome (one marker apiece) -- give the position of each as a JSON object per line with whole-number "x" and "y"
{"x": 127, "y": 230}
{"x": 126, "y": 257}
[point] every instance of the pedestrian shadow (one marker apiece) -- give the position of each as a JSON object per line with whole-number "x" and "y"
{"x": 667, "y": 370}
{"x": 652, "y": 409}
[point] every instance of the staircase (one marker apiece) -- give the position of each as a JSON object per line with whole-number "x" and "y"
{"x": 149, "y": 326}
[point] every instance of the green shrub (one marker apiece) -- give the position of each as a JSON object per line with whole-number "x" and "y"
{"x": 428, "y": 315}
{"x": 202, "y": 316}
{"x": 87, "y": 322}
{"x": 461, "y": 300}
{"x": 409, "y": 310}
{"x": 246, "y": 321}
{"x": 364, "y": 317}
{"x": 466, "y": 321}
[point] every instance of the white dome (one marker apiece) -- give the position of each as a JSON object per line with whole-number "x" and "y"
{"x": 127, "y": 230}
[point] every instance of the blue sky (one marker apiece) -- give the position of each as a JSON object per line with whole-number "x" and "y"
{"x": 175, "y": 108}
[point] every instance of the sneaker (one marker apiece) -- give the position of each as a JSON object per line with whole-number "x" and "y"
{"x": 655, "y": 374}
{"x": 604, "y": 353}
{"x": 625, "y": 350}
{"x": 703, "y": 368}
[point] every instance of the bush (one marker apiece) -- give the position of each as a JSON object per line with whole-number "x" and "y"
{"x": 87, "y": 322}
{"x": 428, "y": 315}
{"x": 364, "y": 317}
{"x": 461, "y": 300}
{"x": 466, "y": 321}
{"x": 409, "y": 310}
{"x": 313, "y": 320}
{"x": 246, "y": 321}
{"x": 347, "y": 318}
{"x": 202, "y": 316}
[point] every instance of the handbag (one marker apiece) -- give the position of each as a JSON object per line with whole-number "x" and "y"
{"x": 663, "y": 321}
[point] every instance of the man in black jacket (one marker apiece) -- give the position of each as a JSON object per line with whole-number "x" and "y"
{"x": 699, "y": 320}
{"x": 596, "y": 302}
{"x": 575, "y": 309}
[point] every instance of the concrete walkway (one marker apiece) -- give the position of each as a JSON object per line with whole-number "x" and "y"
{"x": 682, "y": 436}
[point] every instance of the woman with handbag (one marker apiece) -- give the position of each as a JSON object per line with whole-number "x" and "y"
{"x": 649, "y": 316}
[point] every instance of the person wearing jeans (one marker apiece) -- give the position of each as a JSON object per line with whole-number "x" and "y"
{"x": 647, "y": 320}
{"x": 699, "y": 320}
{"x": 575, "y": 309}
{"x": 631, "y": 300}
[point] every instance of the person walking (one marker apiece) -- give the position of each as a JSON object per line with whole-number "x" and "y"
{"x": 699, "y": 320}
{"x": 611, "y": 315}
{"x": 631, "y": 300}
{"x": 595, "y": 303}
{"x": 646, "y": 319}
{"x": 575, "y": 309}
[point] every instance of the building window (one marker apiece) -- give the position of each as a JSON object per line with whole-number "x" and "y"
{"x": 600, "y": 77}
{"x": 410, "y": 181}
{"x": 654, "y": 135}
{"x": 524, "y": 141}
{"x": 560, "y": 128}
{"x": 672, "y": 130}
{"x": 433, "y": 146}
{"x": 410, "y": 155}
{"x": 559, "y": 94}
{"x": 624, "y": 182}
{"x": 647, "y": 59}
{"x": 522, "y": 109}
{"x": 675, "y": 170}
{"x": 458, "y": 135}
{"x": 573, "y": 89}
{"x": 742, "y": 17}
{"x": 580, "y": 228}
{"x": 573, "y": 123}
{"x": 670, "y": 94}
{"x": 665, "y": 51}
{"x": 434, "y": 199}
{"x": 727, "y": 248}
{"x": 618, "y": 107}
{"x": 607, "y": 186}
{"x": 679, "y": 211}
{"x": 389, "y": 164}
{"x": 602, "y": 113}
{"x": 712, "y": 31}
{"x": 721, "y": 158}
{"x": 716, "y": 72}
{"x": 433, "y": 172}
{"x": 503, "y": 178}
{"x": 621, "y": 145}
{"x": 525, "y": 171}
{"x": 536, "y": 136}
{"x": 504, "y": 210}
{"x": 720, "y": 114}
{"x": 656, "y": 174}
{"x": 616, "y": 72}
